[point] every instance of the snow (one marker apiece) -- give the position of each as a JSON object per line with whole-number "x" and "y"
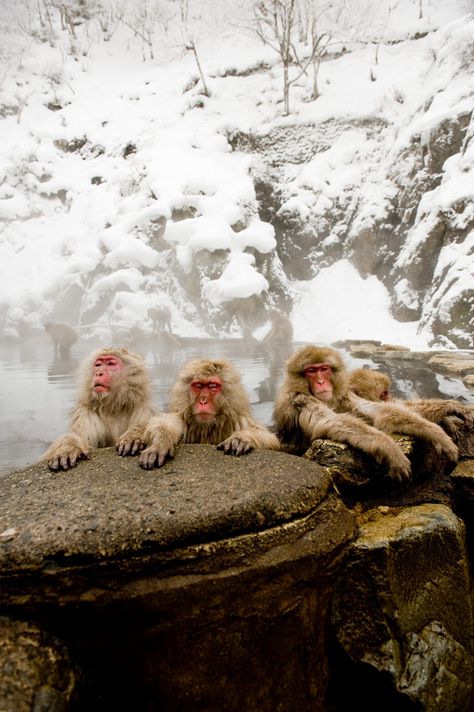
{"x": 322, "y": 310}
{"x": 239, "y": 279}
{"x": 68, "y": 214}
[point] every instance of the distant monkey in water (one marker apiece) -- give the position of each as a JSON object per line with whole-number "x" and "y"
{"x": 281, "y": 330}
{"x": 208, "y": 404}
{"x": 63, "y": 337}
{"x": 315, "y": 402}
{"x": 448, "y": 413}
{"x": 113, "y": 409}
{"x": 161, "y": 318}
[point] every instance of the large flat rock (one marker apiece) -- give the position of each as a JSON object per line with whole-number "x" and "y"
{"x": 108, "y": 506}
{"x": 204, "y": 585}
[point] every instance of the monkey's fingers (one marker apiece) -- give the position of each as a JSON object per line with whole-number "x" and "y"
{"x": 130, "y": 447}
{"x": 234, "y": 446}
{"x": 448, "y": 448}
{"x": 468, "y": 416}
{"x": 154, "y": 457}
{"x": 55, "y": 464}
{"x": 400, "y": 472}
{"x": 65, "y": 461}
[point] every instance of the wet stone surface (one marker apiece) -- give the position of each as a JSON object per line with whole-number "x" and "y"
{"x": 205, "y": 585}
{"x": 108, "y": 506}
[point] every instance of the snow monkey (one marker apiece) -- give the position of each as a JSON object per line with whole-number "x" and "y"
{"x": 208, "y": 404}
{"x": 315, "y": 402}
{"x": 113, "y": 408}
{"x": 281, "y": 330}
{"x": 63, "y": 337}
{"x": 161, "y": 318}
{"x": 451, "y": 415}
{"x": 369, "y": 384}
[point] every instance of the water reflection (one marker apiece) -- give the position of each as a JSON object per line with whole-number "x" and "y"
{"x": 38, "y": 389}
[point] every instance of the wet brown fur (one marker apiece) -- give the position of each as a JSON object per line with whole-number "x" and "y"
{"x": 456, "y": 419}
{"x": 369, "y": 384}
{"x": 300, "y": 417}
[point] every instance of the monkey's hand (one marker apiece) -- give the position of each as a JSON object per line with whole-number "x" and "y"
{"x": 65, "y": 452}
{"x": 400, "y": 471}
{"x": 155, "y": 455}
{"x": 234, "y": 445}
{"x": 132, "y": 441}
{"x": 466, "y": 413}
{"x": 163, "y": 433}
{"x": 399, "y": 466}
{"x": 445, "y": 446}
{"x": 437, "y": 410}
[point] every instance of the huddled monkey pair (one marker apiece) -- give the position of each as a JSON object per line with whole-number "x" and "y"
{"x": 208, "y": 404}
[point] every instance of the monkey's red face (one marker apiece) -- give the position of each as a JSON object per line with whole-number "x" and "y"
{"x": 105, "y": 368}
{"x": 384, "y": 396}
{"x": 319, "y": 376}
{"x": 204, "y": 396}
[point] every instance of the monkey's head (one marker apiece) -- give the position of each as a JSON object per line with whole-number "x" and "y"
{"x": 115, "y": 379}
{"x": 208, "y": 389}
{"x": 369, "y": 384}
{"x": 319, "y": 371}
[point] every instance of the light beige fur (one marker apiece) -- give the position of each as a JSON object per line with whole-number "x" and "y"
{"x": 233, "y": 428}
{"x": 117, "y": 418}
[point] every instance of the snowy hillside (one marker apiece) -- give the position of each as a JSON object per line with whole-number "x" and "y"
{"x": 130, "y": 181}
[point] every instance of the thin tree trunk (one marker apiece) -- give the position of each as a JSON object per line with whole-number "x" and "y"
{"x": 192, "y": 46}
{"x": 286, "y": 90}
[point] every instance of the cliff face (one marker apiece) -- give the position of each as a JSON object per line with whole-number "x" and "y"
{"x": 122, "y": 195}
{"x": 387, "y": 192}
{"x": 396, "y": 224}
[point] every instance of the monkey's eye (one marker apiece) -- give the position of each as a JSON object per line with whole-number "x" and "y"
{"x": 213, "y": 386}
{"x": 315, "y": 368}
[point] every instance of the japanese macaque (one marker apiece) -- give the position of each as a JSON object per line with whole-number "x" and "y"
{"x": 113, "y": 408}
{"x": 161, "y": 318}
{"x": 451, "y": 415}
{"x": 281, "y": 330}
{"x": 208, "y": 404}
{"x": 63, "y": 337}
{"x": 369, "y": 384}
{"x": 315, "y": 402}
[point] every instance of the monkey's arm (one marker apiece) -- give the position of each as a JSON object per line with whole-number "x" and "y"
{"x": 318, "y": 421}
{"x": 162, "y": 435}
{"x": 251, "y": 435}
{"x": 397, "y": 418}
{"x": 435, "y": 409}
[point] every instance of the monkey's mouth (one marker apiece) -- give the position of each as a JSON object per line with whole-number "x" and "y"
{"x": 99, "y": 388}
{"x": 323, "y": 395}
{"x": 204, "y": 416}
